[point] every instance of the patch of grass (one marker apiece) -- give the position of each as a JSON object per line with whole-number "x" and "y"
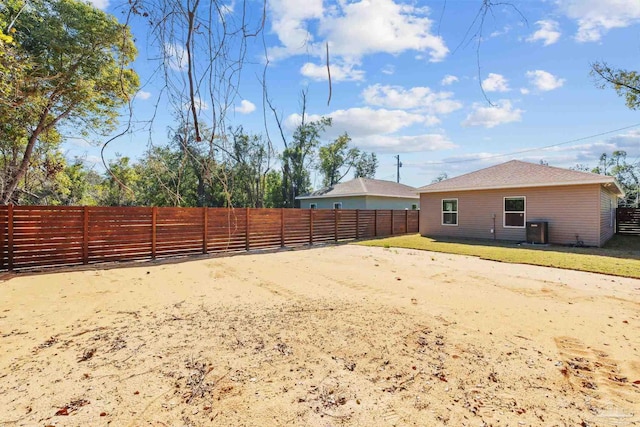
{"x": 620, "y": 257}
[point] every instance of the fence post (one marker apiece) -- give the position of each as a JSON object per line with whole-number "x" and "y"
{"x": 357, "y": 224}
{"x": 205, "y": 230}
{"x": 10, "y": 236}
{"x": 335, "y": 225}
{"x": 247, "y": 243}
{"x": 154, "y": 219}
{"x": 282, "y": 227}
{"x": 311, "y": 226}
{"x": 375, "y": 223}
{"x": 392, "y": 224}
{"x": 406, "y": 221}
{"x": 85, "y": 236}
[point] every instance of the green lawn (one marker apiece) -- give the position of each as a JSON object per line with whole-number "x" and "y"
{"x": 620, "y": 257}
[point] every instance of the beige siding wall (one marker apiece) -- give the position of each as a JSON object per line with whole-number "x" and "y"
{"x": 362, "y": 202}
{"x": 570, "y": 210}
{"x": 608, "y": 205}
{"x": 347, "y": 203}
{"x": 374, "y": 202}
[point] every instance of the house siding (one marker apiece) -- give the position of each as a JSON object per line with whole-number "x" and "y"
{"x": 608, "y": 205}
{"x": 377, "y": 202}
{"x": 569, "y": 210}
{"x": 357, "y": 202}
{"x": 362, "y": 202}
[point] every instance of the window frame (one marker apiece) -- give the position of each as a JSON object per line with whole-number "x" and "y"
{"x": 414, "y": 206}
{"x": 505, "y": 212}
{"x": 442, "y": 212}
{"x": 313, "y": 205}
{"x": 337, "y": 205}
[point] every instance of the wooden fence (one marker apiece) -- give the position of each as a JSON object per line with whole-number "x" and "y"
{"x": 628, "y": 221}
{"x": 38, "y": 236}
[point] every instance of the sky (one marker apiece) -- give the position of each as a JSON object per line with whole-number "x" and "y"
{"x": 426, "y": 80}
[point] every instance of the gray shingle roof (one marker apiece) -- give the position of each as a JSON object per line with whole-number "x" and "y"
{"x": 364, "y": 187}
{"x": 515, "y": 174}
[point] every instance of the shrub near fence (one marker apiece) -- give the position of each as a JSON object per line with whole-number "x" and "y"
{"x": 38, "y": 236}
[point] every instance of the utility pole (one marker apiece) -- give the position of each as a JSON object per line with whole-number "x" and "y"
{"x": 398, "y": 166}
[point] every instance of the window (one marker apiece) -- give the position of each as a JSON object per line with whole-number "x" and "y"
{"x": 414, "y": 207}
{"x": 514, "y": 212}
{"x": 337, "y": 205}
{"x": 450, "y": 212}
{"x": 313, "y": 206}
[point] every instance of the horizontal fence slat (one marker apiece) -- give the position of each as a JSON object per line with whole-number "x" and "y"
{"x": 44, "y": 236}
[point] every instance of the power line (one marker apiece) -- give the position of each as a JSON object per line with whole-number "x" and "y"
{"x": 538, "y": 148}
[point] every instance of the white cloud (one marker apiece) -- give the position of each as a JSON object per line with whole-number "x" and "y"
{"x": 548, "y": 32}
{"x": 339, "y": 72}
{"x": 100, "y": 4}
{"x": 491, "y": 116}
{"x": 417, "y": 98}
{"x": 176, "y": 56}
{"x": 405, "y": 144}
{"x": 373, "y": 129}
{"x": 596, "y": 17}
{"x": 524, "y": 91}
{"x": 448, "y": 80}
{"x": 498, "y": 33}
{"x": 544, "y": 81}
{"x": 388, "y": 69}
{"x": 352, "y": 29}
{"x": 245, "y": 107}
{"x": 495, "y": 83}
{"x": 227, "y": 9}
{"x": 374, "y": 26}
{"x": 363, "y": 121}
{"x": 143, "y": 95}
{"x": 289, "y": 22}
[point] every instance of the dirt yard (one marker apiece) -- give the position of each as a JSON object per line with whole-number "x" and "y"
{"x": 337, "y": 335}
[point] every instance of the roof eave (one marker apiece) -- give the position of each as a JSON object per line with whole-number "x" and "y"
{"x": 500, "y": 187}
{"x": 330, "y": 196}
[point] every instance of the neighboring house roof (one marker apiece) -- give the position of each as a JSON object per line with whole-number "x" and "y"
{"x": 517, "y": 174}
{"x": 364, "y": 187}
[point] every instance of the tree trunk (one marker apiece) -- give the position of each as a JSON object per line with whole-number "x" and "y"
{"x": 26, "y": 159}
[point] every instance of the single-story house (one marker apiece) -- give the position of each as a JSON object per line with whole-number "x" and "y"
{"x": 497, "y": 202}
{"x": 362, "y": 193}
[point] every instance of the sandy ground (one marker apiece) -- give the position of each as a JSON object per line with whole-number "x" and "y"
{"x": 338, "y": 335}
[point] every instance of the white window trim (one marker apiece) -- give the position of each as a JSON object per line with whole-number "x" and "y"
{"x": 313, "y": 206}
{"x": 442, "y": 212}
{"x": 337, "y": 205}
{"x": 505, "y": 212}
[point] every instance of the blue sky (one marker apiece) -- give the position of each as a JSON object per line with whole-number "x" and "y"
{"x": 407, "y": 79}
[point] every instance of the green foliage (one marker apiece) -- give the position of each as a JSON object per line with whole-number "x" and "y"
{"x": 366, "y": 165}
{"x": 297, "y": 159}
{"x": 334, "y": 157}
{"x": 249, "y": 162}
{"x": 440, "y": 178}
{"x": 119, "y": 188}
{"x": 626, "y": 83}
{"x": 67, "y": 66}
{"x": 273, "y": 190}
{"x": 627, "y": 174}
